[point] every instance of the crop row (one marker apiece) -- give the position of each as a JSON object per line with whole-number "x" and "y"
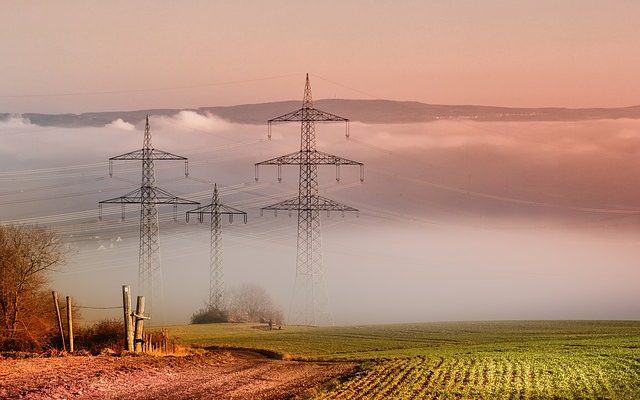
{"x": 514, "y": 376}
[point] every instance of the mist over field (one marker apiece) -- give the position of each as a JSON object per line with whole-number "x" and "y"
{"x": 459, "y": 220}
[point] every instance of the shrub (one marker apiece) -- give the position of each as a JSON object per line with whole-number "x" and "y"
{"x": 209, "y": 316}
{"x": 104, "y": 334}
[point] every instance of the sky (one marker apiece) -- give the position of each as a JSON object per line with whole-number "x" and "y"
{"x": 76, "y": 56}
{"x": 459, "y": 220}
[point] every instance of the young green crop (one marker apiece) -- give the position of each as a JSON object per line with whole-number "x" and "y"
{"x": 469, "y": 360}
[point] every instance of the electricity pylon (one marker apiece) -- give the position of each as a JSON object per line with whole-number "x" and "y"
{"x": 308, "y": 305}
{"x": 216, "y": 275}
{"x": 148, "y": 196}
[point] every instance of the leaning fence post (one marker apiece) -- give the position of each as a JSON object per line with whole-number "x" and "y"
{"x": 57, "y": 307}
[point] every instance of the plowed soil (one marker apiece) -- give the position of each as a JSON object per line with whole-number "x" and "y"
{"x": 217, "y": 374}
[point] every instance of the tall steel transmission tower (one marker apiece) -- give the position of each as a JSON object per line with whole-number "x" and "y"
{"x": 216, "y": 279}
{"x": 308, "y": 304}
{"x": 148, "y": 196}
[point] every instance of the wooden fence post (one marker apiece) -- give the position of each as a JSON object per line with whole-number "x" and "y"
{"x": 57, "y": 307}
{"x": 128, "y": 329}
{"x": 70, "y": 324}
{"x": 139, "y": 326}
{"x": 165, "y": 340}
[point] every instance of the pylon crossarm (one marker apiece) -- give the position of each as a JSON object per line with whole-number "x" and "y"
{"x": 162, "y": 197}
{"x": 155, "y": 155}
{"x": 315, "y": 157}
{"x": 222, "y": 209}
{"x": 210, "y": 210}
{"x": 308, "y": 114}
{"x": 315, "y": 203}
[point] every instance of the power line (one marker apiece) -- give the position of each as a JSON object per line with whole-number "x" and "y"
{"x": 99, "y": 308}
{"x": 349, "y": 87}
{"x": 147, "y": 90}
{"x": 507, "y": 199}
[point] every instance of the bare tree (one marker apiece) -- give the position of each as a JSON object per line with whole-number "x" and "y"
{"x": 251, "y": 302}
{"x": 27, "y": 254}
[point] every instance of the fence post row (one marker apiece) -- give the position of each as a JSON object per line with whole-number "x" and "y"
{"x": 135, "y": 338}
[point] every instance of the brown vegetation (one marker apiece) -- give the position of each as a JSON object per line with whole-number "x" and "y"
{"x": 105, "y": 334}
{"x": 27, "y": 254}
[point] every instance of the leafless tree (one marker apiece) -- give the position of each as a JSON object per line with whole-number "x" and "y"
{"x": 27, "y": 254}
{"x": 251, "y": 302}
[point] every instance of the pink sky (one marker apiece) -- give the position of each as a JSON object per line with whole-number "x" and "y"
{"x": 524, "y": 53}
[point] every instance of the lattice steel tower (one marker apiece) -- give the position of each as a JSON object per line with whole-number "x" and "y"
{"x": 308, "y": 305}
{"x": 216, "y": 273}
{"x": 148, "y": 196}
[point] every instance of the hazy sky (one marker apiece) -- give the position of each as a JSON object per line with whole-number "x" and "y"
{"x": 495, "y": 52}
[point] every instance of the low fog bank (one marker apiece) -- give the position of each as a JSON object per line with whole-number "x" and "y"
{"x": 459, "y": 220}
{"x": 366, "y": 111}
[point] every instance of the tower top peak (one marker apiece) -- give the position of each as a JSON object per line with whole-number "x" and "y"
{"x": 307, "y": 101}
{"x": 147, "y": 134}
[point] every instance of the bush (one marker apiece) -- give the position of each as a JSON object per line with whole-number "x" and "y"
{"x": 209, "y": 316}
{"x": 19, "y": 344}
{"x": 104, "y": 334}
{"x": 246, "y": 303}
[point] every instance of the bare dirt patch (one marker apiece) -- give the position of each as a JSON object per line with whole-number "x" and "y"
{"x": 217, "y": 374}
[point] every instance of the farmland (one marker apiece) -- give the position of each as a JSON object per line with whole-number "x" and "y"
{"x": 223, "y": 374}
{"x": 471, "y": 360}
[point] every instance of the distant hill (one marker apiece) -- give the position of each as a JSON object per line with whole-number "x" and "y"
{"x": 367, "y": 111}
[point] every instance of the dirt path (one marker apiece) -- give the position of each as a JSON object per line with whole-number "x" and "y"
{"x": 215, "y": 375}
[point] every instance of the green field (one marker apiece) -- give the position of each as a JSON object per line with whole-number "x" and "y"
{"x": 470, "y": 360}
